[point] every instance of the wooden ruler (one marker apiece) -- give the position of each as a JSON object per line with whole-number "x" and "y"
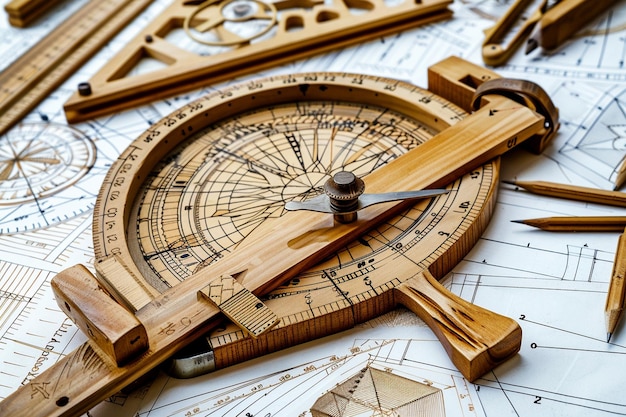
{"x": 44, "y": 67}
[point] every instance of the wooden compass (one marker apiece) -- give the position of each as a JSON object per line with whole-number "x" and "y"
{"x": 190, "y": 223}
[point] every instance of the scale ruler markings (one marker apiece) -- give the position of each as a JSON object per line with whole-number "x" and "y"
{"x": 44, "y": 67}
{"x": 240, "y": 305}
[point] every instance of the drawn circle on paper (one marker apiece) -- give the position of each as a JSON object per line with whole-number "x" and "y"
{"x": 45, "y": 176}
{"x": 38, "y": 160}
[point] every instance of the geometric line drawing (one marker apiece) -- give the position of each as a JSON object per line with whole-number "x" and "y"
{"x": 373, "y": 392}
{"x": 38, "y": 160}
{"x": 596, "y": 140}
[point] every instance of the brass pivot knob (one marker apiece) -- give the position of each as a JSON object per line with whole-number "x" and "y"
{"x": 344, "y": 189}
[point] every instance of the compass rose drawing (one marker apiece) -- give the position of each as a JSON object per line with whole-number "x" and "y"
{"x": 38, "y": 162}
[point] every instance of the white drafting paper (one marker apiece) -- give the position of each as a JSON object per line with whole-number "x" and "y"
{"x": 554, "y": 284}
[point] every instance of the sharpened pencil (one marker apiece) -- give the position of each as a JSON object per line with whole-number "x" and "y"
{"x": 577, "y": 223}
{"x": 616, "y": 296}
{"x": 620, "y": 179}
{"x": 573, "y": 192}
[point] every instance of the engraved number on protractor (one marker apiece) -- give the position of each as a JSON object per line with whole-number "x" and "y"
{"x": 206, "y": 185}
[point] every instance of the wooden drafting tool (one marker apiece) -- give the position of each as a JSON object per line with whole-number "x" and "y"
{"x": 286, "y": 135}
{"x": 494, "y": 52}
{"x": 617, "y": 289}
{"x": 23, "y": 12}
{"x": 548, "y": 26}
{"x": 577, "y": 223}
{"x": 562, "y": 20}
{"x": 34, "y": 75}
{"x": 288, "y": 30}
{"x": 572, "y": 192}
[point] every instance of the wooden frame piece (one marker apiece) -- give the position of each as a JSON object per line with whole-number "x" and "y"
{"x": 299, "y": 28}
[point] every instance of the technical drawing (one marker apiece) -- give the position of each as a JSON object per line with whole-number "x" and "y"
{"x": 38, "y": 161}
{"x": 600, "y": 139}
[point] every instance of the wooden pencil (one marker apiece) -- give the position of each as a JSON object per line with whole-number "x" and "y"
{"x": 620, "y": 179}
{"x": 614, "y": 306}
{"x": 573, "y": 192}
{"x": 577, "y": 223}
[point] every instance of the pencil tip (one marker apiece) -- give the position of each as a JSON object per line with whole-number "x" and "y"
{"x": 519, "y": 221}
{"x": 510, "y": 182}
{"x": 531, "y": 45}
{"x": 608, "y": 337}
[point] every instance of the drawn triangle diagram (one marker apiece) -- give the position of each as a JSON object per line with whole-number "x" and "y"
{"x": 373, "y": 392}
{"x": 195, "y": 44}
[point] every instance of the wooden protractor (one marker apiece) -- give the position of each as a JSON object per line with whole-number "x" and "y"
{"x": 214, "y": 189}
{"x": 213, "y": 185}
{"x": 190, "y": 217}
{"x": 196, "y": 43}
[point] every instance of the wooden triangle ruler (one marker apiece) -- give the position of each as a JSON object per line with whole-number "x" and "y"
{"x": 282, "y": 31}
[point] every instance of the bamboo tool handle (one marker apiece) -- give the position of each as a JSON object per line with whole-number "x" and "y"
{"x": 476, "y": 339}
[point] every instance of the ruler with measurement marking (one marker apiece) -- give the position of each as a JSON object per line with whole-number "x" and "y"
{"x": 45, "y": 66}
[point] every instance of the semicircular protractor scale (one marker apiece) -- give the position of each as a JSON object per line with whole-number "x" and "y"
{"x": 216, "y": 187}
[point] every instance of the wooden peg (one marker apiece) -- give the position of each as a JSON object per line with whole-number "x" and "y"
{"x": 109, "y": 325}
{"x": 476, "y": 339}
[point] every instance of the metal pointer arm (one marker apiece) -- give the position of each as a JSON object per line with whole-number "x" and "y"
{"x": 343, "y": 197}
